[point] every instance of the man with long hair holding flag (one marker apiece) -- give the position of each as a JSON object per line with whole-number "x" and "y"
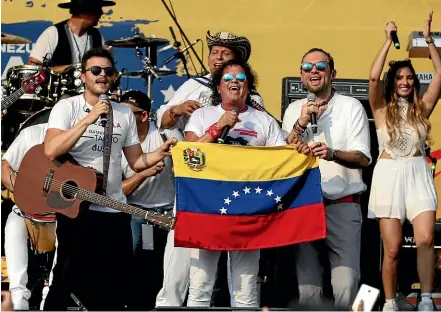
{"x": 224, "y": 203}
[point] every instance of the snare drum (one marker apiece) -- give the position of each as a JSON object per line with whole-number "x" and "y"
{"x": 70, "y": 80}
{"x": 44, "y": 95}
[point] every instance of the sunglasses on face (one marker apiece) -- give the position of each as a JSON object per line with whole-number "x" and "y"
{"x": 138, "y": 112}
{"x": 230, "y": 76}
{"x": 96, "y": 70}
{"x": 307, "y": 67}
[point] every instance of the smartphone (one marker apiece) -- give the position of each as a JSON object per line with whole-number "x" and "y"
{"x": 369, "y": 295}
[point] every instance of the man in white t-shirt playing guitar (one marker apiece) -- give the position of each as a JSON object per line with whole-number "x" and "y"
{"x": 93, "y": 245}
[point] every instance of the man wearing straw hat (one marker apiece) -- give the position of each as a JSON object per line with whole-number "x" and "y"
{"x": 193, "y": 94}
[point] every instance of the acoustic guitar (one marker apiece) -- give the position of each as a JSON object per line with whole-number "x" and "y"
{"x": 27, "y": 86}
{"x": 63, "y": 186}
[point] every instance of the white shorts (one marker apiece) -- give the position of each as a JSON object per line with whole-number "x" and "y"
{"x": 401, "y": 189}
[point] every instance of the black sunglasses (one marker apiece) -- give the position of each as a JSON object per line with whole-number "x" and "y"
{"x": 96, "y": 70}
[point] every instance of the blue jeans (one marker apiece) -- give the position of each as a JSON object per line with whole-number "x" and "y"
{"x": 137, "y": 223}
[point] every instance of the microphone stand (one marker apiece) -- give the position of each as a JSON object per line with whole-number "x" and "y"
{"x": 186, "y": 38}
{"x": 181, "y": 56}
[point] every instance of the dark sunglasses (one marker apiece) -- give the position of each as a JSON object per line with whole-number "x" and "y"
{"x": 96, "y": 70}
{"x": 138, "y": 112}
{"x": 230, "y": 76}
{"x": 307, "y": 67}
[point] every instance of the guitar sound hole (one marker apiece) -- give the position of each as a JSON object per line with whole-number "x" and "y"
{"x": 69, "y": 189}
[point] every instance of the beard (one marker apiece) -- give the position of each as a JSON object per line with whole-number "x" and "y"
{"x": 317, "y": 89}
{"x": 97, "y": 89}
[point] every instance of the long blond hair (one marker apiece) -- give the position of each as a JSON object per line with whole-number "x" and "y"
{"x": 415, "y": 113}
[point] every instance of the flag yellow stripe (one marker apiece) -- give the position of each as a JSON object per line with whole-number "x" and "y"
{"x": 238, "y": 163}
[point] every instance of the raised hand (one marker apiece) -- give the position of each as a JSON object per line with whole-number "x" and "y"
{"x": 427, "y": 27}
{"x": 390, "y": 27}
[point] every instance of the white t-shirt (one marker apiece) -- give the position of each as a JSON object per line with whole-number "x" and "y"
{"x": 88, "y": 151}
{"x": 256, "y": 128}
{"x": 48, "y": 40}
{"x": 343, "y": 126}
{"x": 27, "y": 138}
{"x": 156, "y": 191}
{"x": 194, "y": 91}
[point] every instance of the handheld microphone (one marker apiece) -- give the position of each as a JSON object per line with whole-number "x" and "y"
{"x": 104, "y": 97}
{"x": 179, "y": 53}
{"x": 311, "y": 98}
{"x": 395, "y": 40}
{"x": 226, "y": 129}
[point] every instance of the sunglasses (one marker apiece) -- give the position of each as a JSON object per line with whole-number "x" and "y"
{"x": 138, "y": 112}
{"x": 230, "y": 76}
{"x": 307, "y": 67}
{"x": 96, "y": 70}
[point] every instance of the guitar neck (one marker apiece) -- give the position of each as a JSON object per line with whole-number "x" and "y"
{"x": 104, "y": 201}
{"x": 12, "y": 98}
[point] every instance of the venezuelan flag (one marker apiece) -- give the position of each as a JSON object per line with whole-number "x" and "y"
{"x": 243, "y": 197}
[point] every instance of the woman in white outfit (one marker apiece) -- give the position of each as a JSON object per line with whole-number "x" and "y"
{"x": 402, "y": 186}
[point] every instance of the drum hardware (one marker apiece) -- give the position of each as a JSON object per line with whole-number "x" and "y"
{"x": 173, "y": 16}
{"x": 70, "y": 80}
{"x": 12, "y": 39}
{"x": 137, "y": 41}
{"x": 42, "y": 96}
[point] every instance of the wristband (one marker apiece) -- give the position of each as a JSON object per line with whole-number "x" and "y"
{"x": 214, "y": 131}
{"x": 298, "y": 128}
{"x": 430, "y": 41}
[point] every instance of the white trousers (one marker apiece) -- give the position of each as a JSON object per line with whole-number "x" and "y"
{"x": 16, "y": 252}
{"x": 244, "y": 270}
{"x": 176, "y": 275}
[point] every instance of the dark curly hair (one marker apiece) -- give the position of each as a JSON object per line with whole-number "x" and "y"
{"x": 217, "y": 77}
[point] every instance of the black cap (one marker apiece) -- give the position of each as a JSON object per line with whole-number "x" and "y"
{"x": 86, "y": 3}
{"x": 138, "y": 99}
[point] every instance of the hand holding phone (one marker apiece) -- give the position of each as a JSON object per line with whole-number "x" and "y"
{"x": 366, "y": 298}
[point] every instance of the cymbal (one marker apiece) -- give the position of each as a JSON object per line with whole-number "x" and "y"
{"x": 137, "y": 41}
{"x": 12, "y": 39}
{"x": 159, "y": 72}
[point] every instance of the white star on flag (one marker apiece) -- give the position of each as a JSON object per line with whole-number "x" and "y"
{"x": 227, "y": 200}
{"x": 258, "y": 190}
{"x": 269, "y": 193}
{"x": 235, "y": 194}
{"x": 279, "y": 206}
{"x": 168, "y": 94}
{"x": 246, "y": 190}
{"x": 278, "y": 199}
{"x": 223, "y": 210}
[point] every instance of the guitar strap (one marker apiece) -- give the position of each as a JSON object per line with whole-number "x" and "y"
{"x": 108, "y": 132}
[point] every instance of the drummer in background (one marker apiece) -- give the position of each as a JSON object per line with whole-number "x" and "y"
{"x": 65, "y": 43}
{"x": 193, "y": 94}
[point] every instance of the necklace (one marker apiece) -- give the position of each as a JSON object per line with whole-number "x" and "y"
{"x": 80, "y": 55}
{"x": 329, "y": 99}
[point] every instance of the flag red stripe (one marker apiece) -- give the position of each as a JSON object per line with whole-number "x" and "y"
{"x": 223, "y": 232}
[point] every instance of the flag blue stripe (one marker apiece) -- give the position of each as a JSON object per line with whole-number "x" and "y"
{"x": 247, "y": 198}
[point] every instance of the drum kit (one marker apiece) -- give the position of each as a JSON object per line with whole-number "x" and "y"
{"x": 27, "y": 89}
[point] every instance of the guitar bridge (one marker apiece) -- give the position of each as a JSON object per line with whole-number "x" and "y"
{"x": 48, "y": 182}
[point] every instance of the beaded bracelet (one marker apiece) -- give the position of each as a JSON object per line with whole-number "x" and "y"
{"x": 214, "y": 131}
{"x": 298, "y": 128}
